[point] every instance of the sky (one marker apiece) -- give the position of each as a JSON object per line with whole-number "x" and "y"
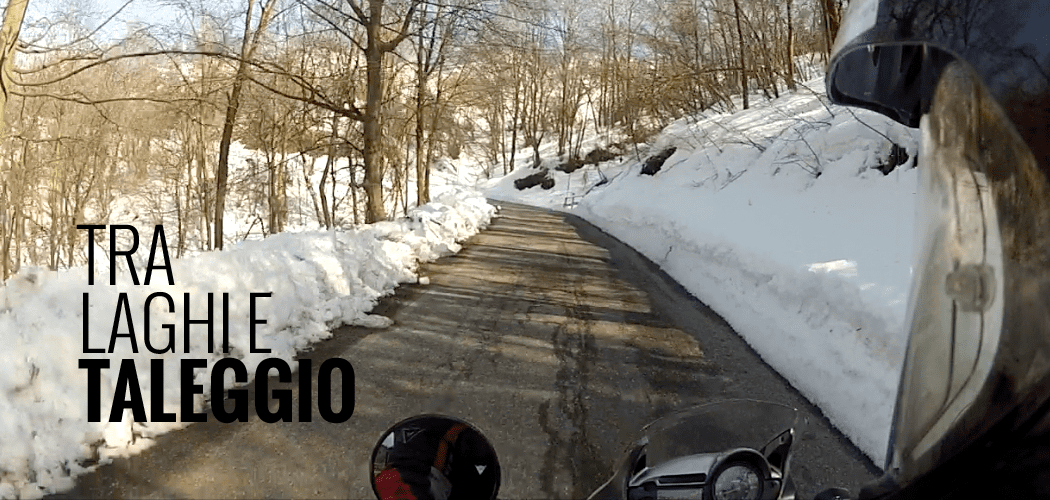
{"x": 91, "y": 14}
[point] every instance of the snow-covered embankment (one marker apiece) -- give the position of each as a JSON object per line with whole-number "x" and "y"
{"x": 317, "y": 281}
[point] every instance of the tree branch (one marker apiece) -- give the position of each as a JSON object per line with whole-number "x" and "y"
{"x": 352, "y": 112}
{"x": 336, "y": 27}
{"x": 82, "y": 99}
{"x": 107, "y": 60}
{"x": 44, "y": 50}
{"x": 403, "y": 32}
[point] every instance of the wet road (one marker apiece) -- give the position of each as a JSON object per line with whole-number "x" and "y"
{"x": 558, "y": 342}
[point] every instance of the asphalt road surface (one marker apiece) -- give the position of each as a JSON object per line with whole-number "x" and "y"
{"x": 556, "y": 340}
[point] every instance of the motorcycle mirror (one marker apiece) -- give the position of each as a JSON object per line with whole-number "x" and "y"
{"x": 434, "y": 457}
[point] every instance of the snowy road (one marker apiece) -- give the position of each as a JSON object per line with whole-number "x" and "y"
{"x": 555, "y": 340}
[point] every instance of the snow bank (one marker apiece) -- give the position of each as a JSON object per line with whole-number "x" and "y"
{"x": 318, "y": 280}
{"x": 777, "y": 218}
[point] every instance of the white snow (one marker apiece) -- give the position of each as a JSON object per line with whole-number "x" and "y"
{"x": 318, "y": 280}
{"x": 813, "y": 271}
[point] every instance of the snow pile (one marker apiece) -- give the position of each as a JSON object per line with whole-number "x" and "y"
{"x": 318, "y": 280}
{"x": 778, "y": 219}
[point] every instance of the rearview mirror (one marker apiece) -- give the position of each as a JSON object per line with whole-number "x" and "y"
{"x": 434, "y": 456}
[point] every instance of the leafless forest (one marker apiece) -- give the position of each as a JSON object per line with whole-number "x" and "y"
{"x": 98, "y": 110}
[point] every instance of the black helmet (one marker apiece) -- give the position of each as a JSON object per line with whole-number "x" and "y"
{"x": 974, "y": 395}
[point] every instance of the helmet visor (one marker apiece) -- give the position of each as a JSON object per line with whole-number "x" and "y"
{"x": 888, "y": 55}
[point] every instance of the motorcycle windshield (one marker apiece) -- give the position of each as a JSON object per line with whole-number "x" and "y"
{"x": 717, "y": 427}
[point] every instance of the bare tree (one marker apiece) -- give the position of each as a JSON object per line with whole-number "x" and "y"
{"x": 790, "y": 48}
{"x": 743, "y": 66}
{"x": 433, "y": 38}
{"x": 248, "y": 47}
{"x": 13, "y": 16}
{"x": 832, "y": 11}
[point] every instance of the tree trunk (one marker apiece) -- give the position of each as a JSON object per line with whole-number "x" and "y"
{"x": 222, "y": 170}
{"x": 743, "y": 67}
{"x": 422, "y": 196}
{"x": 13, "y": 16}
{"x": 831, "y": 23}
{"x": 727, "y": 51}
{"x": 790, "y": 49}
{"x": 329, "y": 164}
{"x": 307, "y": 172}
{"x": 326, "y": 220}
{"x": 204, "y": 191}
{"x": 335, "y": 201}
{"x": 375, "y": 211}
{"x": 232, "y": 106}
{"x": 423, "y": 62}
{"x": 353, "y": 191}
{"x": 516, "y": 117}
{"x": 429, "y": 159}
